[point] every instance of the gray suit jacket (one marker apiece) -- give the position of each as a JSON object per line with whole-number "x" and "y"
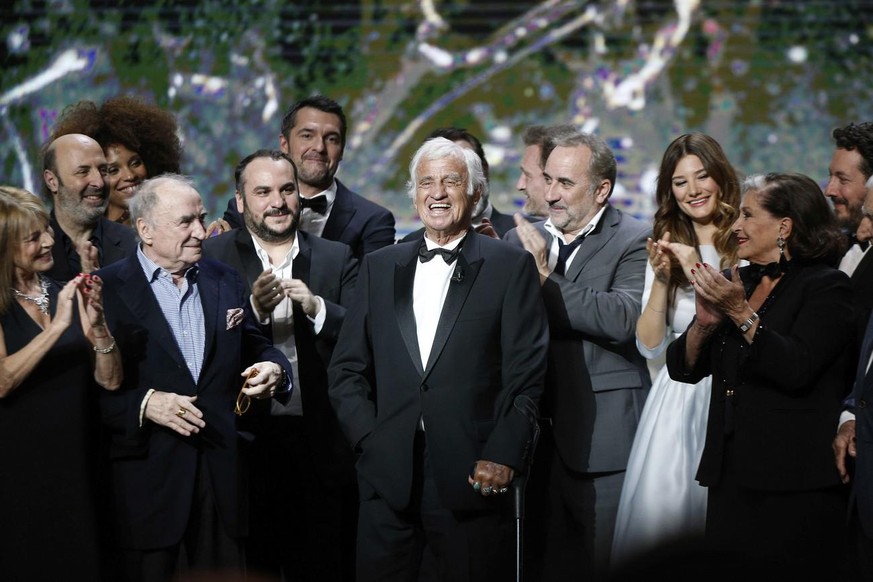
{"x": 597, "y": 381}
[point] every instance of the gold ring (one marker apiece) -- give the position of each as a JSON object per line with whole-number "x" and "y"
{"x": 181, "y": 412}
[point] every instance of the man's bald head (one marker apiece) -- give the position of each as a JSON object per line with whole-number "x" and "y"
{"x": 73, "y": 169}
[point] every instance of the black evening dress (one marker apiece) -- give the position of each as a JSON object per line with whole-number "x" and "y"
{"x": 48, "y": 452}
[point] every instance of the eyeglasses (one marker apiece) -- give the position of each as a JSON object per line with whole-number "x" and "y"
{"x": 243, "y": 400}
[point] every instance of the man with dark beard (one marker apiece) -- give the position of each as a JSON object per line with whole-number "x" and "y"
{"x": 73, "y": 169}
{"x": 850, "y": 168}
{"x": 313, "y": 135}
{"x": 304, "y": 496}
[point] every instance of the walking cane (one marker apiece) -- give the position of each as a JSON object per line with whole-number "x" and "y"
{"x": 518, "y": 487}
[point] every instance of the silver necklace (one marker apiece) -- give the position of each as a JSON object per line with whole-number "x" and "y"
{"x": 42, "y": 300}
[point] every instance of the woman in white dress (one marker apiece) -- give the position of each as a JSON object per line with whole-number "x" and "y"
{"x": 698, "y": 199}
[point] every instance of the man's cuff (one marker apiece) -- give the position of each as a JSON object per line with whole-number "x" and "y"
{"x": 845, "y": 416}
{"x": 320, "y": 316}
{"x": 142, "y": 407}
{"x": 265, "y": 320}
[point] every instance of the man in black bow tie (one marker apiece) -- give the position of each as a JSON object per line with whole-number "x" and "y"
{"x": 313, "y": 135}
{"x": 850, "y": 168}
{"x": 436, "y": 378}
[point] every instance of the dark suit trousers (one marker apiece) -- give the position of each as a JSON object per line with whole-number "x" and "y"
{"x": 299, "y": 526}
{"x": 581, "y": 523}
{"x": 207, "y": 549}
{"x": 464, "y": 546}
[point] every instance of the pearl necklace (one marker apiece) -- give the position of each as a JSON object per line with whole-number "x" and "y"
{"x": 41, "y": 300}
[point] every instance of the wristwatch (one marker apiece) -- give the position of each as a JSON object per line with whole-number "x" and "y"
{"x": 747, "y": 325}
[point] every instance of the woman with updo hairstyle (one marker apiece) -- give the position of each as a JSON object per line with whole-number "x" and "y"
{"x": 775, "y": 337}
{"x": 698, "y": 196}
{"x": 139, "y": 140}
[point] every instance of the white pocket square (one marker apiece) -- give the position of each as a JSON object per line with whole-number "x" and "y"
{"x": 234, "y": 317}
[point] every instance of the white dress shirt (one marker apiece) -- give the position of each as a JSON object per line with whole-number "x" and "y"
{"x": 283, "y": 327}
{"x": 313, "y": 222}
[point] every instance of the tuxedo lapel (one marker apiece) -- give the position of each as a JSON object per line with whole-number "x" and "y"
{"x": 866, "y": 349}
{"x": 138, "y": 297}
{"x": 404, "y": 279}
{"x": 340, "y": 214}
{"x": 464, "y": 275}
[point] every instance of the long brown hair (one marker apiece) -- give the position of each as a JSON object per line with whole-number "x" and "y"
{"x": 20, "y": 211}
{"x": 670, "y": 218}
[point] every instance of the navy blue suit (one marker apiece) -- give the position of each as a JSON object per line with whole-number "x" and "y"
{"x": 152, "y": 468}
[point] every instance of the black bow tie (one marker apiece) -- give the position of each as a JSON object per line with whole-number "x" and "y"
{"x": 316, "y": 203}
{"x": 853, "y": 240}
{"x": 754, "y": 272}
{"x": 449, "y": 256}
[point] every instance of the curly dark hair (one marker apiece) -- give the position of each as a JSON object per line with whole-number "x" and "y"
{"x": 669, "y": 218}
{"x": 815, "y": 236}
{"x": 139, "y": 126}
{"x": 858, "y": 136}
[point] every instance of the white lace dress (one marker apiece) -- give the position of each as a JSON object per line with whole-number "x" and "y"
{"x": 660, "y": 498}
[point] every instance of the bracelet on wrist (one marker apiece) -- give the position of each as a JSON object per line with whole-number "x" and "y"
{"x": 106, "y": 350}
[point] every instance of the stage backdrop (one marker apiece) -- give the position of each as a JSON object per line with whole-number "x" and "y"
{"x": 769, "y": 79}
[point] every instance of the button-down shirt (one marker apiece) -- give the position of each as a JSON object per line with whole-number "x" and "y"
{"x": 282, "y": 320}
{"x": 182, "y": 309}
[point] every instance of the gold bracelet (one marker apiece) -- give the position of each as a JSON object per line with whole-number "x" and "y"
{"x": 106, "y": 350}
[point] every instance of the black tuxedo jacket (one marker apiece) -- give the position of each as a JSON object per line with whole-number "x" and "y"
{"x": 153, "y": 469}
{"x": 484, "y": 375}
{"x": 363, "y": 225}
{"x": 862, "y": 406}
{"x": 117, "y": 241}
{"x": 788, "y": 384}
{"x": 330, "y": 271}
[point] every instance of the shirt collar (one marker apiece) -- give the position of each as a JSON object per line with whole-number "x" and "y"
{"x": 264, "y": 256}
{"x": 449, "y": 246}
{"x": 585, "y": 231}
{"x": 154, "y": 271}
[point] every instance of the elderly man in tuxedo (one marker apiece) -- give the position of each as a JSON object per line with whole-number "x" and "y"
{"x": 192, "y": 352}
{"x": 591, "y": 260}
{"x": 435, "y": 379}
{"x": 303, "y": 491}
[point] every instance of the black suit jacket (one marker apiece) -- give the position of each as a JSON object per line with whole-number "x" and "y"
{"x": 862, "y": 406}
{"x": 153, "y": 470}
{"x": 116, "y": 242}
{"x": 788, "y": 384}
{"x": 330, "y": 271}
{"x": 363, "y": 225}
{"x": 484, "y": 375}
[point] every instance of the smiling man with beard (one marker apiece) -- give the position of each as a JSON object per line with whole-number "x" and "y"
{"x": 313, "y": 135}
{"x": 73, "y": 169}
{"x": 304, "y": 496}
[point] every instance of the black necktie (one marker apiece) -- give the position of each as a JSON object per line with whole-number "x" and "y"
{"x": 564, "y": 252}
{"x": 449, "y": 256}
{"x": 316, "y": 203}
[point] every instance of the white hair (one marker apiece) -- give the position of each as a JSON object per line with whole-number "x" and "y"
{"x": 440, "y": 147}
